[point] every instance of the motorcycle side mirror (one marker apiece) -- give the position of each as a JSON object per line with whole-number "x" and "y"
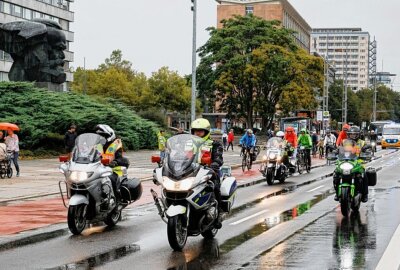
{"x": 155, "y": 159}
{"x": 206, "y": 160}
{"x": 105, "y": 161}
{"x": 63, "y": 158}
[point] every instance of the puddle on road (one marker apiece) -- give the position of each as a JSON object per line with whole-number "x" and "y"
{"x": 286, "y": 190}
{"x": 270, "y": 222}
{"x": 100, "y": 259}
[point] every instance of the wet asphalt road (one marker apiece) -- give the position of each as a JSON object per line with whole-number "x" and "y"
{"x": 263, "y": 214}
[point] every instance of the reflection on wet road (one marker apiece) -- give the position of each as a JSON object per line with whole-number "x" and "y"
{"x": 335, "y": 242}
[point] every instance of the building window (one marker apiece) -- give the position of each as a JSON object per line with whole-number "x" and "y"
{"x": 7, "y": 8}
{"x": 249, "y": 10}
{"x": 17, "y": 11}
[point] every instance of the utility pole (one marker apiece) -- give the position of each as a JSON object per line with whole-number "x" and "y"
{"x": 344, "y": 100}
{"x": 84, "y": 73}
{"x": 372, "y": 72}
{"x": 193, "y": 103}
{"x": 325, "y": 93}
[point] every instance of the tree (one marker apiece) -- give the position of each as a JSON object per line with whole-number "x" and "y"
{"x": 247, "y": 64}
{"x": 167, "y": 90}
{"x": 115, "y": 61}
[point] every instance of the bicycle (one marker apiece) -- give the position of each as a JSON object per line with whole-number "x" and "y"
{"x": 302, "y": 162}
{"x": 247, "y": 160}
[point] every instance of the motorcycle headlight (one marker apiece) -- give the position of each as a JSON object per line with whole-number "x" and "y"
{"x": 373, "y": 144}
{"x": 346, "y": 168}
{"x": 183, "y": 185}
{"x": 77, "y": 176}
{"x": 272, "y": 156}
{"x": 264, "y": 158}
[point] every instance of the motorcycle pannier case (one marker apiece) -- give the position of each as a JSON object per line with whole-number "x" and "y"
{"x": 134, "y": 186}
{"x": 372, "y": 177}
{"x": 228, "y": 193}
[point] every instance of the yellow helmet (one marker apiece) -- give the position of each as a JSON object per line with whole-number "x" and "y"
{"x": 201, "y": 124}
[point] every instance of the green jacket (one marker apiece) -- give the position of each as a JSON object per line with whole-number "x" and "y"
{"x": 161, "y": 142}
{"x": 305, "y": 140}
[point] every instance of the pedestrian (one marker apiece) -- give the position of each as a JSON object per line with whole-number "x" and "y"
{"x": 231, "y": 138}
{"x": 1, "y": 137}
{"x": 69, "y": 139}
{"x": 225, "y": 140}
{"x": 12, "y": 143}
{"x": 314, "y": 139}
{"x": 161, "y": 144}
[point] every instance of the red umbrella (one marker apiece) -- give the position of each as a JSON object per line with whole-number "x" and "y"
{"x": 7, "y": 126}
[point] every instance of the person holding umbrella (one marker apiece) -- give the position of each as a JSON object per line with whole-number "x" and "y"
{"x": 12, "y": 143}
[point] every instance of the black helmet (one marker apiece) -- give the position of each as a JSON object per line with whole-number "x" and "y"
{"x": 354, "y": 133}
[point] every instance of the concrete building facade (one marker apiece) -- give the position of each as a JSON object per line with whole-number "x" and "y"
{"x": 57, "y": 10}
{"x": 347, "y": 50}
{"x": 280, "y": 10}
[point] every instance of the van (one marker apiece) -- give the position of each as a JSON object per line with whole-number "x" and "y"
{"x": 390, "y": 135}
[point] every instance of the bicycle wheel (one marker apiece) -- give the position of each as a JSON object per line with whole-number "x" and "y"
{"x": 249, "y": 161}
{"x": 244, "y": 160}
{"x": 300, "y": 168}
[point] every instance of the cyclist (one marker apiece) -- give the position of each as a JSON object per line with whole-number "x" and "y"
{"x": 329, "y": 142}
{"x": 248, "y": 141}
{"x": 305, "y": 141}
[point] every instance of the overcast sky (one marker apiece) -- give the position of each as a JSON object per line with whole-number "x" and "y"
{"x": 156, "y": 33}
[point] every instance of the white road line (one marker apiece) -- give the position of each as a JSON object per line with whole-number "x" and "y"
{"x": 391, "y": 258}
{"x": 314, "y": 189}
{"x": 249, "y": 217}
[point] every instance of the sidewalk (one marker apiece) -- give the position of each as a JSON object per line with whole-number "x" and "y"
{"x": 39, "y": 212}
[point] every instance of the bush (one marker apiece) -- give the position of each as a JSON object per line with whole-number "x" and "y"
{"x": 44, "y": 117}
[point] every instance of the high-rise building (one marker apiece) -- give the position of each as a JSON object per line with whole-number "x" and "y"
{"x": 57, "y": 10}
{"x": 280, "y": 10}
{"x": 347, "y": 49}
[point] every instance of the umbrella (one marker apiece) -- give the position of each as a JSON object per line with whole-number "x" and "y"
{"x": 7, "y": 126}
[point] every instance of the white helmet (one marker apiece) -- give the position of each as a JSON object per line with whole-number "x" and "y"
{"x": 106, "y": 131}
{"x": 280, "y": 134}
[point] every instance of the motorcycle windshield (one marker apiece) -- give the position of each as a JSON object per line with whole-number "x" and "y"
{"x": 182, "y": 155}
{"x": 348, "y": 151}
{"x": 275, "y": 142}
{"x": 88, "y": 148}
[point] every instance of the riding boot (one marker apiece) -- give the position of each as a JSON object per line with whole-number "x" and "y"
{"x": 335, "y": 186}
{"x": 218, "y": 221}
{"x": 364, "y": 197}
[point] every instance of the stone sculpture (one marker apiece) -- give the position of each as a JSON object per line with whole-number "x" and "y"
{"x": 37, "y": 49}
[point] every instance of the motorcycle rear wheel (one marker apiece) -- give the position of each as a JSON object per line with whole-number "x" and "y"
{"x": 210, "y": 233}
{"x": 76, "y": 218}
{"x": 177, "y": 233}
{"x": 113, "y": 218}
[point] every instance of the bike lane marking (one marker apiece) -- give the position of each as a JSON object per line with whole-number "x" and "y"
{"x": 391, "y": 258}
{"x": 314, "y": 189}
{"x": 249, "y": 217}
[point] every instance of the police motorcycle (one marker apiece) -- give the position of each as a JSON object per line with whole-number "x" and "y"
{"x": 89, "y": 188}
{"x": 272, "y": 166}
{"x": 350, "y": 171}
{"x": 187, "y": 204}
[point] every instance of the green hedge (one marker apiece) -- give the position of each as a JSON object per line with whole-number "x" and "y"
{"x": 44, "y": 117}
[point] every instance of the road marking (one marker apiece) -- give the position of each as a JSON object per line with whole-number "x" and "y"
{"x": 249, "y": 217}
{"x": 314, "y": 189}
{"x": 391, "y": 258}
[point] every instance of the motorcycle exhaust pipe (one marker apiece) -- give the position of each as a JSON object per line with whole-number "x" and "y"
{"x": 160, "y": 208}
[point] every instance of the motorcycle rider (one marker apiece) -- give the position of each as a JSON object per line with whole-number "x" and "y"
{"x": 305, "y": 140}
{"x": 201, "y": 128}
{"x": 329, "y": 142}
{"x": 248, "y": 141}
{"x": 113, "y": 150}
{"x": 342, "y": 135}
{"x": 354, "y": 134}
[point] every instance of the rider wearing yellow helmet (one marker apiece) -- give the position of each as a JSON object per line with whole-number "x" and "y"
{"x": 201, "y": 128}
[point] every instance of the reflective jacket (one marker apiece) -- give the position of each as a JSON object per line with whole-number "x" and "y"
{"x": 305, "y": 140}
{"x": 161, "y": 141}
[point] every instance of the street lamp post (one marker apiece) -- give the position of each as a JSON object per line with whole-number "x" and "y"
{"x": 193, "y": 103}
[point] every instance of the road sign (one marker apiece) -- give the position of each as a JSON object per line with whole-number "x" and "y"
{"x": 326, "y": 114}
{"x": 319, "y": 116}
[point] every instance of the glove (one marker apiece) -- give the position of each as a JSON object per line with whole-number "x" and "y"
{"x": 214, "y": 166}
{"x": 113, "y": 164}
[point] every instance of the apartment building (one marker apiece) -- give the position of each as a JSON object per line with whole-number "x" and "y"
{"x": 280, "y": 10}
{"x": 347, "y": 50}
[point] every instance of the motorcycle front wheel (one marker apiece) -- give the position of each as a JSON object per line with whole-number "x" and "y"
{"x": 177, "y": 232}
{"x": 76, "y": 218}
{"x": 345, "y": 203}
{"x": 270, "y": 176}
